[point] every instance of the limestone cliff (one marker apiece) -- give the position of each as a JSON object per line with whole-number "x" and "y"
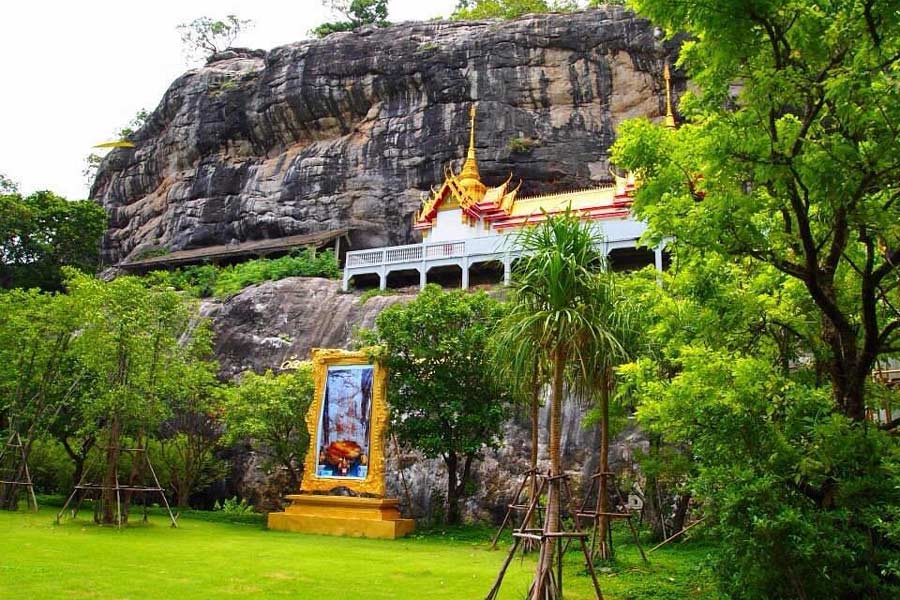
{"x": 348, "y": 131}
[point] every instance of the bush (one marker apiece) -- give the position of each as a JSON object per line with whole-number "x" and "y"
{"x": 50, "y": 467}
{"x": 204, "y": 281}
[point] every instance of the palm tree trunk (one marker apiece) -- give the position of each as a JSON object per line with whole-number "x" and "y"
{"x": 535, "y": 423}
{"x": 545, "y": 564}
{"x": 603, "y": 549}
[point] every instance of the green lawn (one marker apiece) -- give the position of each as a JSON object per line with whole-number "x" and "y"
{"x": 203, "y": 559}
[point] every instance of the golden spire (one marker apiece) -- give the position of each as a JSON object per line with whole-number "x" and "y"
{"x": 670, "y": 115}
{"x": 469, "y": 178}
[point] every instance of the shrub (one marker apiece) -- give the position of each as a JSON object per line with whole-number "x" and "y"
{"x": 204, "y": 281}
{"x": 522, "y": 145}
{"x": 50, "y": 467}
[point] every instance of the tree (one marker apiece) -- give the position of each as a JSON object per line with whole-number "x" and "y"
{"x": 270, "y": 411}
{"x": 186, "y": 443}
{"x": 609, "y": 343}
{"x": 36, "y": 332}
{"x": 444, "y": 395}
{"x": 551, "y": 316}
{"x": 130, "y": 341}
{"x": 43, "y": 232}
{"x": 356, "y": 13}
{"x": 203, "y": 37}
{"x": 784, "y": 173}
{"x": 7, "y": 185}
{"x": 803, "y": 502}
{"x": 508, "y": 9}
{"x": 790, "y": 157}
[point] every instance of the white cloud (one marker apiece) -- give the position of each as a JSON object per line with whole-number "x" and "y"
{"x": 74, "y": 72}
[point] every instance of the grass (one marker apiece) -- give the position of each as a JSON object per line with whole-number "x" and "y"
{"x": 203, "y": 559}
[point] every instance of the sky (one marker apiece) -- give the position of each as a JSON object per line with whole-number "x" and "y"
{"x": 75, "y": 72}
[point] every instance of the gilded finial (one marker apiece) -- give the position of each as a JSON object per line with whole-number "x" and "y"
{"x": 670, "y": 115}
{"x": 468, "y": 179}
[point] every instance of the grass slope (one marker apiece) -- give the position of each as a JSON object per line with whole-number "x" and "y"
{"x": 204, "y": 559}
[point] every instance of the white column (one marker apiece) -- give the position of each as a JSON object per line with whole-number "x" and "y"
{"x": 464, "y": 263}
{"x": 382, "y": 278}
{"x": 423, "y": 277}
{"x": 507, "y": 269}
{"x": 659, "y": 258}
{"x": 346, "y": 283}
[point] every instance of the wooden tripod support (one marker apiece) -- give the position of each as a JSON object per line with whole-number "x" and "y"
{"x": 89, "y": 489}
{"x": 619, "y": 512}
{"x": 550, "y": 582}
{"x": 518, "y": 504}
{"x": 20, "y": 475}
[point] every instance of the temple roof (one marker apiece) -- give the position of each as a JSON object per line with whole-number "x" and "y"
{"x": 502, "y": 208}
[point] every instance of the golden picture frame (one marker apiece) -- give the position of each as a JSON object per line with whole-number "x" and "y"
{"x": 347, "y": 423}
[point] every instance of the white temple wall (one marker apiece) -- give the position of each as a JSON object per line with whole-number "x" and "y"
{"x": 448, "y": 227}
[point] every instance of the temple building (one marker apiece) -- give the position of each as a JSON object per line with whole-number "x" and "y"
{"x": 469, "y": 228}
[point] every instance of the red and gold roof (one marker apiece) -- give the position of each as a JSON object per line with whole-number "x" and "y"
{"x": 501, "y": 207}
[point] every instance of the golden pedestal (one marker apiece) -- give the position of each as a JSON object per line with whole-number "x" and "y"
{"x": 343, "y": 515}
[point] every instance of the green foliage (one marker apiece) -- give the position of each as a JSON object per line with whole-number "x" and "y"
{"x": 203, "y": 281}
{"x": 233, "y": 506}
{"x": 43, "y": 232}
{"x": 522, "y": 145}
{"x": 356, "y": 13}
{"x": 788, "y": 157}
{"x": 508, "y": 9}
{"x": 205, "y": 36}
{"x": 445, "y": 399}
{"x": 805, "y": 501}
{"x": 139, "y": 120}
{"x": 50, "y": 467}
{"x": 269, "y": 410}
{"x": 780, "y": 189}
{"x": 7, "y": 185}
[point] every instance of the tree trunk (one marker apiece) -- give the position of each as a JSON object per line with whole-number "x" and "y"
{"x": 653, "y": 512}
{"x": 535, "y": 414}
{"x": 603, "y": 549}
{"x": 681, "y": 509}
{"x": 452, "y": 462}
{"x": 109, "y": 496}
{"x": 545, "y": 564}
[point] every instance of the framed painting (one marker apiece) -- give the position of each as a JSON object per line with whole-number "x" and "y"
{"x": 346, "y": 422}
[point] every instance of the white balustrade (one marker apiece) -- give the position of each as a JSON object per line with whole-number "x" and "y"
{"x": 403, "y": 254}
{"x": 445, "y": 250}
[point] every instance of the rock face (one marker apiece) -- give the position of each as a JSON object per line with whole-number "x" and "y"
{"x": 350, "y": 130}
{"x": 267, "y": 323}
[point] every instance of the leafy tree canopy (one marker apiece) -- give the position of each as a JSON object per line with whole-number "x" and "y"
{"x": 7, "y": 185}
{"x": 790, "y": 157}
{"x": 41, "y": 233}
{"x": 780, "y": 193}
{"x": 271, "y": 409}
{"x": 205, "y": 36}
{"x": 355, "y": 13}
{"x": 508, "y": 9}
{"x": 445, "y": 398}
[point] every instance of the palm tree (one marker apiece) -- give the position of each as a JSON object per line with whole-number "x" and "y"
{"x": 608, "y": 345}
{"x": 520, "y": 365}
{"x": 551, "y": 317}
